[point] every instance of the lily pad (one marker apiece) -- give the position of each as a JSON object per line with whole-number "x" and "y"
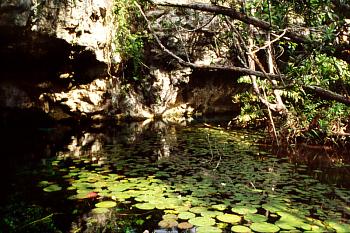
{"x": 339, "y": 227}
{"x": 208, "y": 229}
{"x": 184, "y": 225}
{"x": 219, "y": 207}
{"x": 106, "y": 204}
{"x": 186, "y": 215}
{"x": 264, "y": 227}
{"x": 240, "y": 209}
{"x": 241, "y": 229}
{"x": 145, "y": 206}
{"x": 169, "y": 216}
{"x": 168, "y": 223}
{"x": 229, "y": 218}
{"x": 284, "y": 225}
{"x": 52, "y": 188}
{"x": 100, "y": 210}
{"x": 198, "y": 209}
{"x": 255, "y": 218}
{"x": 202, "y": 221}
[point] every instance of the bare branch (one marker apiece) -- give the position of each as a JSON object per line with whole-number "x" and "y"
{"x": 328, "y": 95}
{"x": 270, "y": 42}
{"x": 233, "y": 14}
{"x": 204, "y": 67}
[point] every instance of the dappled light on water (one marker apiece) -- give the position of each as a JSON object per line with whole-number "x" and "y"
{"x": 166, "y": 178}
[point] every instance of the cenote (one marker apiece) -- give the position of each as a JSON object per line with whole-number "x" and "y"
{"x": 158, "y": 177}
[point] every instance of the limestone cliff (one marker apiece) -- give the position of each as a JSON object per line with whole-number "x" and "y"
{"x": 59, "y": 62}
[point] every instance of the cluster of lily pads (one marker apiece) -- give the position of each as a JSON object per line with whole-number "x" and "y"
{"x": 214, "y": 181}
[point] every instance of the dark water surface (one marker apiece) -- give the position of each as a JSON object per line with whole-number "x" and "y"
{"x": 159, "y": 177}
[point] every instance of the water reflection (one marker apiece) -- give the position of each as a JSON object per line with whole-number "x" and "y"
{"x": 153, "y": 169}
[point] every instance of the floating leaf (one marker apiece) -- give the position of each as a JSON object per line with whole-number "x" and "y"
{"x": 184, "y": 225}
{"x": 198, "y": 209}
{"x": 169, "y": 216}
{"x": 145, "y": 206}
{"x": 210, "y": 213}
{"x": 284, "y": 225}
{"x": 275, "y": 207}
{"x": 264, "y": 227}
{"x": 106, "y": 204}
{"x": 339, "y": 227}
{"x": 229, "y": 218}
{"x": 100, "y": 210}
{"x": 208, "y": 229}
{"x": 202, "y": 221}
{"x": 255, "y": 218}
{"x": 186, "y": 215}
{"x": 52, "y": 188}
{"x": 240, "y": 229}
{"x": 244, "y": 210}
{"x": 168, "y": 223}
{"x": 219, "y": 207}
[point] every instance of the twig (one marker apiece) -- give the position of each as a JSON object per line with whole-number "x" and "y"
{"x": 269, "y": 43}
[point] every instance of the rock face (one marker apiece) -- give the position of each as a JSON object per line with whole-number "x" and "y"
{"x": 59, "y": 64}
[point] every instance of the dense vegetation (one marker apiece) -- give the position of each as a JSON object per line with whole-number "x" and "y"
{"x": 293, "y": 55}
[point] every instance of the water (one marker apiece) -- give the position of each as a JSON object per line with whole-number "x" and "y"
{"x": 152, "y": 176}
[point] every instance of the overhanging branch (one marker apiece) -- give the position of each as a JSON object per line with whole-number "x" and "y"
{"x": 233, "y": 14}
{"x": 204, "y": 67}
{"x": 328, "y": 95}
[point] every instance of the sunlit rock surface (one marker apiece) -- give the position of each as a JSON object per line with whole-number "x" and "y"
{"x": 60, "y": 61}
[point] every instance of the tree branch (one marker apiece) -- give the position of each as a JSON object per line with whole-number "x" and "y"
{"x": 204, "y": 67}
{"x": 233, "y": 14}
{"x": 328, "y": 95}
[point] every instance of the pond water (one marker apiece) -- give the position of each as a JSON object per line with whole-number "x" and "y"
{"x": 157, "y": 177}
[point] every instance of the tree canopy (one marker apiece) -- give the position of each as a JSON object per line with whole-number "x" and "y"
{"x": 295, "y": 56}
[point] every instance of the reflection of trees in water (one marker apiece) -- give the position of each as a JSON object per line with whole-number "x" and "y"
{"x": 91, "y": 144}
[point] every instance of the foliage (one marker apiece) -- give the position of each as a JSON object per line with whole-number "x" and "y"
{"x": 129, "y": 35}
{"x": 207, "y": 186}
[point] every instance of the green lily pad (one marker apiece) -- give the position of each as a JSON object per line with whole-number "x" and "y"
{"x": 145, "y": 206}
{"x": 169, "y": 216}
{"x": 339, "y": 227}
{"x": 264, "y": 227}
{"x": 208, "y": 229}
{"x": 202, "y": 221}
{"x": 240, "y": 209}
{"x": 198, "y": 209}
{"x": 106, "y": 204}
{"x": 100, "y": 210}
{"x": 186, "y": 215}
{"x": 240, "y": 229}
{"x": 229, "y": 218}
{"x": 255, "y": 218}
{"x": 211, "y": 214}
{"x": 219, "y": 207}
{"x": 284, "y": 225}
{"x": 52, "y": 188}
{"x": 274, "y": 207}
